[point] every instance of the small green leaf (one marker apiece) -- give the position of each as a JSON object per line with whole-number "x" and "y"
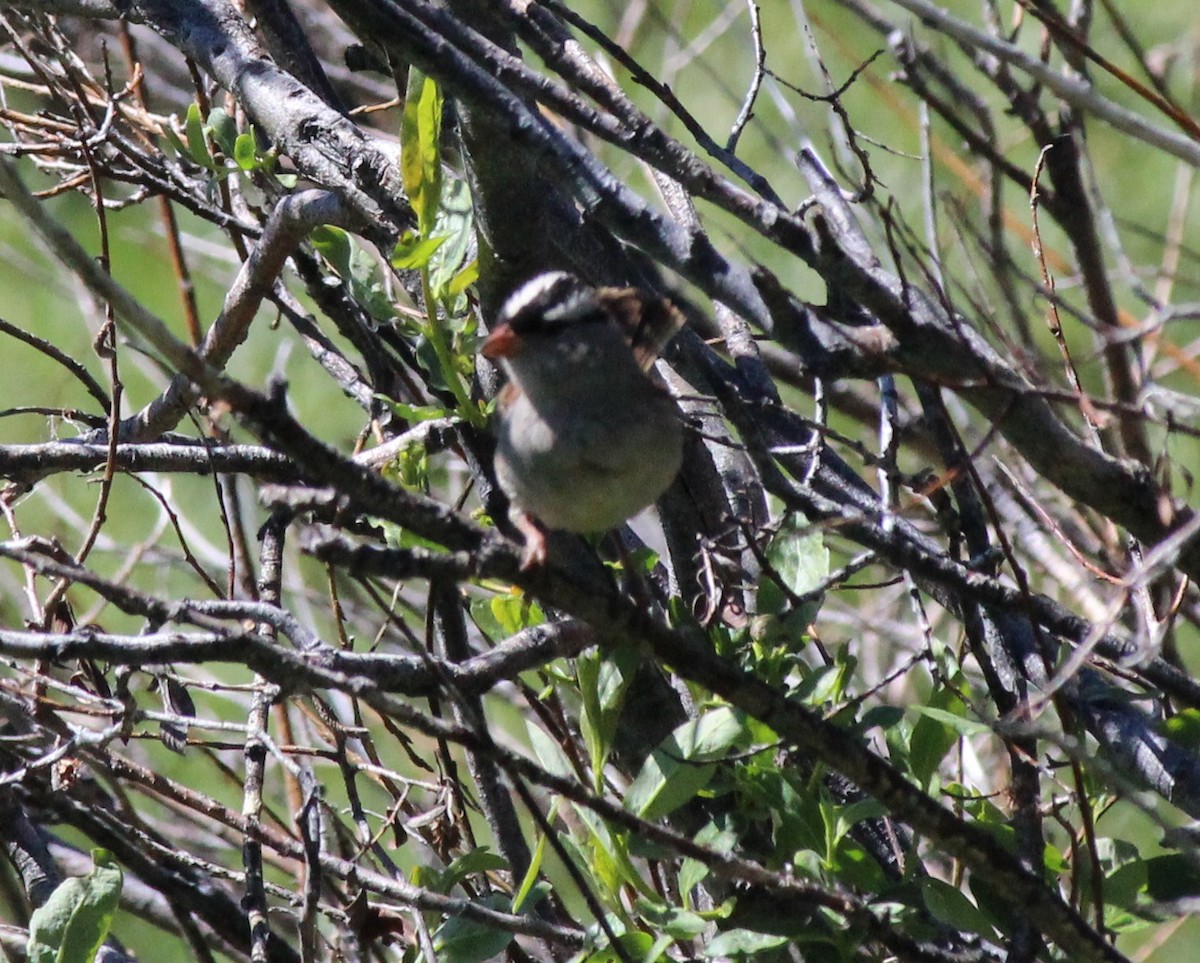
{"x": 73, "y": 923}
{"x": 420, "y": 148}
{"x": 741, "y": 942}
{"x": 223, "y": 130}
{"x": 413, "y": 252}
{"x": 515, "y": 613}
{"x": 939, "y": 727}
{"x": 603, "y": 679}
{"x": 245, "y": 152}
{"x": 530, "y": 881}
{"x": 679, "y": 923}
{"x": 416, "y": 413}
{"x": 1183, "y": 728}
{"x": 951, "y": 906}
{"x": 880, "y": 717}
{"x": 454, "y": 220}
{"x": 197, "y": 144}
{"x": 173, "y": 139}
{"x": 960, "y": 724}
{"x": 683, "y": 764}
{"x": 664, "y": 784}
{"x": 333, "y": 244}
{"x": 549, "y": 753}
{"x": 692, "y": 873}
{"x": 856, "y": 812}
{"x": 636, "y": 945}
{"x": 710, "y": 736}
{"x": 800, "y": 563}
{"x": 481, "y": 860}
{"x": 1123, "y": 887}
{"x": 463, "y": 940}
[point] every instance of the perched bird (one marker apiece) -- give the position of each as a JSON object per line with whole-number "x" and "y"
{"x": 587, "y": 437}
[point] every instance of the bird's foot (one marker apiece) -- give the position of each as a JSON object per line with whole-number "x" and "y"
{"x": 534, "y": 554}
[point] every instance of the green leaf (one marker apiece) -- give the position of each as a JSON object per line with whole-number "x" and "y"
{"x": 678, "y": 923}
{"x": 741, "y": 942}
{"x": 196, "y": 142}
{"x": 960, "y": 724}
{"x": 1183, "y": 728}
{"x": 683, "y": 764}
{"x": 463, "y": 940}
{"x": 420, "y": 150}
{"x": 413, "y": 252}
{"x": 880, "y": 717}
{"x": 173, "y": 139}
{"x": 951, "y": 906}
{"x": 481, "y": 860}
{"x": 665, "y": 783}
{"x": 535, "y": 866}
{"x": 603, "y": 679}
{"x": 801, "y": 563}
{"x": 73, "y": 923}
{"x": 636, "y": 945}
{"x": 856, "y": 812}
{"x": 455, "y": 219}
{"x": 935, "y": 733}
{"x": 710, "y": 736}
{"x": 549, "y": 753}
{"x": 692, "y": 871}
{"x": 333, "y": 244}
{"x": 1173, "y": 876}
{"x": 515, "y": 613}
{"x": 416, "y": 413}
{"x": 1124, "y": 886}
{"x": 245, "y": 152}
{"x": 222, "y": 128}
{"x": 467, "y": 276}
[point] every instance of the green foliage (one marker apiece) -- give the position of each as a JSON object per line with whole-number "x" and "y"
{"x": 636, "y": 945}
{"x": 215, "y": 144}
{"x": 723, "y": 777}
{"x": 1183, "y": 728}
{"x": 357, "y": 269}
{"x": 741, "y": 944}
{"x": 603, "y": 680}
{"x": 420, "y": 152}
{"x": 950, "y": 905}
{"x": 461, "y": 939}
{"x": 683, "y": 763}
{"x": 414, "y": 252}
{"x": 73, "y": 923}
{"x": 798, "y": 564}
{"x": 438, "y": 247}
{"x": 940, "y": 724}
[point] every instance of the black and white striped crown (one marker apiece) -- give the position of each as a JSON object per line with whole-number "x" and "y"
{"x": 548, "y": 300}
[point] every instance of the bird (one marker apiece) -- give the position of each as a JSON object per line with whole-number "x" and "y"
{"x": 587, "y": 435}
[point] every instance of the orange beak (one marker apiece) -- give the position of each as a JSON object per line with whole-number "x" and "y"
{"x": 502, "y": 342}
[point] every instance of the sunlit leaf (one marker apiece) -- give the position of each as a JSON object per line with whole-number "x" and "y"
{"x": 420, "y": 154}
{"x": 196, "y": 142}
{"x": 72, "y": 924}
{"x": 245, "y": 152}
{"x": 413, "y": 253}
{"x": 682, "y": 765}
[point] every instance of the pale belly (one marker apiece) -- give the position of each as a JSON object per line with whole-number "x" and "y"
{"x": 582, "y": 480}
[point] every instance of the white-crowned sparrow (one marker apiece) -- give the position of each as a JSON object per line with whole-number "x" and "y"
{"x": 587, "y": 438}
